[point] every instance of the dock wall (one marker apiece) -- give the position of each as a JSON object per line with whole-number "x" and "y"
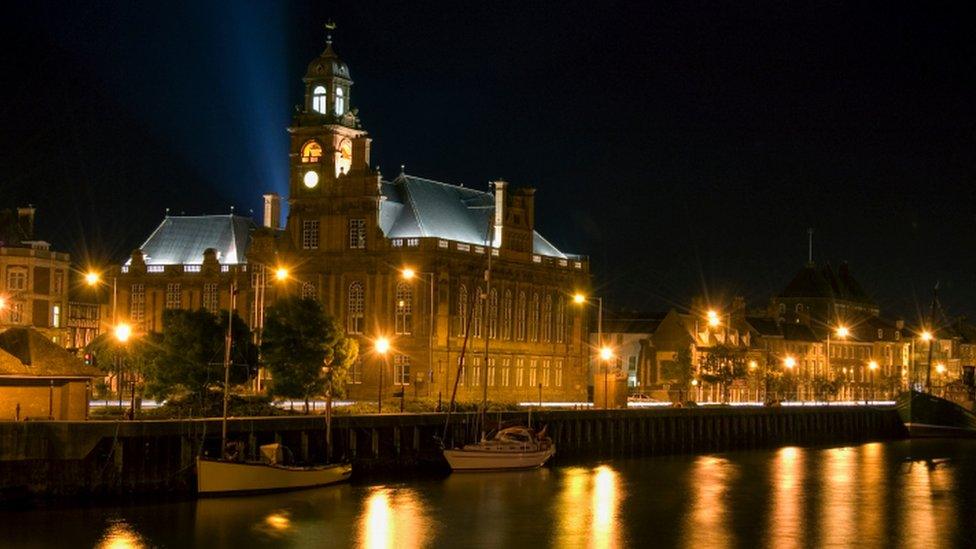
{"x": 63, "y": 458}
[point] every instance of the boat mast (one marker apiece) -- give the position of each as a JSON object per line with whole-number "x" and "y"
{"x": 227, "y": 344}
{"x": 486, "y": 331}
{"x": 928, "y": 365}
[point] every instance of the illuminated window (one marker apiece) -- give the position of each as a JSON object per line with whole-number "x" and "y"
{"x": 547, "y": 319}
{"x": 17, "y": 279}
{"x": 559, "y": 373}
{"x": 476, "y": 372}
{"x": 507, "y": 315}
{"x": 493, "y": 314}
{"x": 340, "y": 102}
{"x": 311, "y": 152}
{"x": 519, "y": 372}
{"x": 16, "y": 312}
{"x": 533, "y": 367}
{"x": 310, "y": 234}
{"x": 460, "y": 371}
{"x": 520, "y": 317}
{"x": 308, "y": 291}
{"x": 211, "y": 299}
{"x": 403, "y": 308}
{"x": 357, "y": 234}
{"x": 318, "y": 99}
{"x": 355, "y": 308}
{"x": 491, "y": 372}
{"x": 534, "y": 317}
{"x": 137, "y": 303}
{"x": 462, "y": 310}
{"x": 174, "y": 296}
{"x": 561, "y": 320}
{"x": 506, "y": 369}
{"x": 355, "y": 376}
{"x": 479, "y": 311}
{"x": 56, "y": 316}
{"x": 546, "y": 374}
{"x": 401, "y": 370}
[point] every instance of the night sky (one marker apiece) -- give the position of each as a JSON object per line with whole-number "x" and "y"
{"x": 686, "y": 148}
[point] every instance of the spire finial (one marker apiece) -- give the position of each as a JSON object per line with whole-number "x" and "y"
{"x": 329, "y": 27}
{"x": 403, "y": 169}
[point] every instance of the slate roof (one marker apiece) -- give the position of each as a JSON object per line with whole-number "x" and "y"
{"x": 183, "y": 239}
{"x": 27, "y": 352}
{"x": 415, "y": 207}
{"x": 768, "y": 327}
{"x": 811, "y": 282}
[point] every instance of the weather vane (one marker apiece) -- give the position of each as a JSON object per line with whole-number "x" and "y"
{"x": 329, "y": 27}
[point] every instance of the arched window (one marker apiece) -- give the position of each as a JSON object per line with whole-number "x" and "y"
{"x": 520, "y": 317}
{"x": 534, "y": 317}
{"x": 799, "y": 308}
{"x": 547, "y": 319}
{"x": 318, "y": 99}
{"x": 479, "y": 311}
{"x": 462, "y": 310}
{"x": 561, "y": 320}
{"x": 311, "y": 151}
{"x": 340, "y": 102}
{"x": 507, "y": 315}
{"x": 355, "y": 317}
{"x": 493, "y": 314}
{"x": 403, "y": 309}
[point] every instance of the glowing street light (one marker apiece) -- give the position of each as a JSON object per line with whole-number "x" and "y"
{"x": 3, "y": 303}
{"x": 123, "y": 332}
{"x": 606, "y": 353}
{"x": 92, "y": 278}
{"x": 789, "y": 362}
{"x": 940, "y": 368}
{"x": 842, "y": 331}
{"x": 408, "y": 273}
{"x": 713, "y": 319}
{"x": 926, "y": 335}
{"x": 579, "y": 298}
{"x": 381, "y": 346}
{"x": 753, "y": 364}
{"x": 281, "y": 274}
{"x": 873, "y": 365}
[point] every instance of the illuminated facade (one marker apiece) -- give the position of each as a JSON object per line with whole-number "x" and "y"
{"x": 33, "y": 278}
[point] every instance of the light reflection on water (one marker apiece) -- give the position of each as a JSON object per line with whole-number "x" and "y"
{"x": 912, "y": 494}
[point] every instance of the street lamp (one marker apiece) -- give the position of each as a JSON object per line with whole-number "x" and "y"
{"x": 409, "y": 274}
{"x": 872, "y": 366}
{"x": 580, "y": 299}
{"x": 93, "y": 278}
{"x": 790, "y": 363}
{"x": 841, "y": 332}
{"x": 606, "y": 354}
{"x": 713, "y": 319}
{"x": 122, "y": 334}
{"x": 281, "y": 274}
{"x": 381, "y": 346}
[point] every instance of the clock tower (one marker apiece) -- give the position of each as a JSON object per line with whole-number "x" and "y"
{"x": 330, "y": 178}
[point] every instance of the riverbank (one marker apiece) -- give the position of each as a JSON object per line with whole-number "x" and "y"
{"x": 108, "y": 458}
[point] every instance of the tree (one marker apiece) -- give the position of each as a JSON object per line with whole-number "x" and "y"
{"x": 305, "y": 350}
{"x": 190, "y": 357}
{"x": 116, "y": 358}
{"x": 678, "y": 370}
{"x": 723, "y": 365}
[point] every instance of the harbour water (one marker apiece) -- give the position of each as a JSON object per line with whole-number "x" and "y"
{"x": 890, "y": 494}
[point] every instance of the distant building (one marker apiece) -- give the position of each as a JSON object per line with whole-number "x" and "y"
{"x": 41, "y": 380}
{"x": 33, "y": 278}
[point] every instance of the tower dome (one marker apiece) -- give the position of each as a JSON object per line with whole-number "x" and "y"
{"x": 327, "y": 65}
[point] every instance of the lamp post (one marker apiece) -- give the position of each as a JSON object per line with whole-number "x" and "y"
{"x": 580, "y": 299}
{"x": 381, "y": 346}
{"x": 872, "y": 366}
{"x": 409, "y": 274}
{"x": 789, "y": 362}
{"x": 606, "y": 354}
{"x": 122, "y": 334}
{"x": 927, "y": 336}
{"x": 93, "y": 278}
{"x": 841, "y": 332}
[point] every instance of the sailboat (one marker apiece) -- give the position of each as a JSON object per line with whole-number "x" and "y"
{"x": 506, "y": 449}
{"x": 229, "y": 475}
{"x": 927, "y": 415}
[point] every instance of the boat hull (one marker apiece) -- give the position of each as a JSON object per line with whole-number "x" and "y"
{"x": 468, "y": 459}
{"x": 225, "y": 477}
{"x": 926, "y": 415}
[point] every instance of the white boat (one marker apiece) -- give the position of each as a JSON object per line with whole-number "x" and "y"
{"x": 230, "y": 475}
{"x": 510, "y": 448}
{"x": 216, "y": 476}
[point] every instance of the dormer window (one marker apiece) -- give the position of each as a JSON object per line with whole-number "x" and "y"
{"x": 318, "y": 99}
{"x": 311, "y": 152}
{"x": 340, "y": 102}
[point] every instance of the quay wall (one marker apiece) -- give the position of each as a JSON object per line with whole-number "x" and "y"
{"x": 103, "y": 458}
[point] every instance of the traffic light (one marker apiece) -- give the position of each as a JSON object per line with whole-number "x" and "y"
{"x": 89, "y": 359}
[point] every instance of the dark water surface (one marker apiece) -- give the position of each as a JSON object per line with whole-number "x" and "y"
{"x": 893, "y": 494}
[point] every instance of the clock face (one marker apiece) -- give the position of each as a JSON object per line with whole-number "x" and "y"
{"x": 311, "y": 179}
{"x": 343, "y": 157}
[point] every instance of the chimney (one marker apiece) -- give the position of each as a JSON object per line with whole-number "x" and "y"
{"x": 500, "y": 198}
{"x": 25, "y": 218}
{"x": 272, "y": 211}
